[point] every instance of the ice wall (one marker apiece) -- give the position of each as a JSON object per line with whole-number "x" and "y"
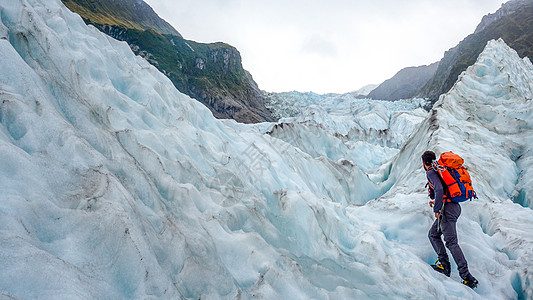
{"x": 487, "y": 119}
{"x": 115, "y": 185}
{"x": 363, "y": 132}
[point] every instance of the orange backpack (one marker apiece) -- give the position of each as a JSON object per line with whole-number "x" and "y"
{"x": 455, "y": 177}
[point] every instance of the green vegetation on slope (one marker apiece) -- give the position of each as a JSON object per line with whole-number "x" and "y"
{"x": 122, "y": 13}
{"x": 211, "y": 73}
{"x": 515, "y": 29}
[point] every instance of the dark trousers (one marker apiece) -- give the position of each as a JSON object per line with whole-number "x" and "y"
{"x": 447, "y": 229}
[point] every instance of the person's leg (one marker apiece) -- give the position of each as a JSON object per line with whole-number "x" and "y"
{"x": 449, "y": 231}
{"x": 436, "y": 242}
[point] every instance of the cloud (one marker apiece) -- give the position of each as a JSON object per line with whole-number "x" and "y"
{"x": 319, "y": 45}
{"x": 327, "y": 46}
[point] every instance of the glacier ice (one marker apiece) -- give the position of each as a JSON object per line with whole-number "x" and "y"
{"x": 115, "y": 185}
{"x": 363, "y": 132}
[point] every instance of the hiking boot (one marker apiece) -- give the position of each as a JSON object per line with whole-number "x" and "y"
{"x": 442, "y": 267}
{"x": 470, "y": 281}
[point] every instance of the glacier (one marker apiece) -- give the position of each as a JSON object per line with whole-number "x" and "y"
{"x": 114, "y": 185}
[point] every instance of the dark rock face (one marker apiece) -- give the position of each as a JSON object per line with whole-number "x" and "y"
{"x": 210, "y": 73}
{"x": 405, "y": 84}
{"x": 513, "y": 22}
{"x": 506, "y": 9}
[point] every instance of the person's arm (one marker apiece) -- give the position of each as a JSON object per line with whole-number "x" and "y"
{"x": 433, "y": 177}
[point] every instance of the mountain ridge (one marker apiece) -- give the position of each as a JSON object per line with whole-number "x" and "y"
{"x": 513, "y": 22}
{"x": 138, "y": 15}
{"x": 404, "y": 84}
{"x": 210, "y": 73}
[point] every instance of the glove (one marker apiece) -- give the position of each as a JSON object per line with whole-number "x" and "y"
{"x": 431, "y": 193}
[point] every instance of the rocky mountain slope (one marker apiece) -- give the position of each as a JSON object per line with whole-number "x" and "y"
{"x": 210, "y": 73}
{"x": 513, "y": 22}
{"x": 129, "y": 14}
{"x": 405, "y": 84}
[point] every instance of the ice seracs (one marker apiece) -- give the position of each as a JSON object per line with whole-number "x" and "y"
{"x": 115, "y": 185}
{"x": 486, "y": 117}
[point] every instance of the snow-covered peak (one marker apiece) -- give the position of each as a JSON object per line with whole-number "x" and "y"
{"x": 364, "y": 91}
{"x": 501, "y": 74}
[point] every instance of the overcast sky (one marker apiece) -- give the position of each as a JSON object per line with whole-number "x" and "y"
{"x": 329, "y": 45}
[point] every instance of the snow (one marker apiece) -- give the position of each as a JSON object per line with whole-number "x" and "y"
{"x": 291, "y": 104}
{"x": 364, "y": 91}
{"x": 363, "y": 132}
{"x": 115, "y": 185}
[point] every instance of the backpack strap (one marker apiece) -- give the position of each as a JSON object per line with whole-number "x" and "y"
{"x": 446, "y": 193}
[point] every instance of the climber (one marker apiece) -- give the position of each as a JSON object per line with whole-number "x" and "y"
{"x": 446, "y": 214}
